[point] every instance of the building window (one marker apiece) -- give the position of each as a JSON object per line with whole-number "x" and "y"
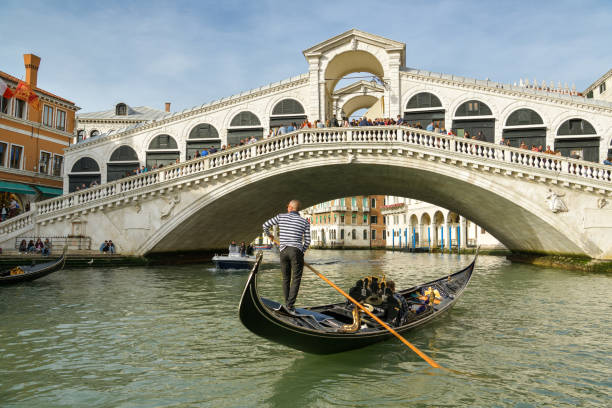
{"x": 44, "y": 163}
{"x": 365, "y": 202}
{"x": 342, "y": 234}
{"x": 373, "y": 219}
{"x": 80, "y": 136}
{"x": 15, "y": 159}
{"x": 94, "y": 133}
{"x": 373, "y": 203}
{"x": 58, "y": 161}
{"x": 589, "y": 95}
{"x": 3, "y": 153}
{"x": 602, "y": 87}
{"x": 384, "y": 234}
{"x": 373, "y": 234}
{"x": 20, "y": 109}
{"x": 342, "y": 219}
{"x": 5, "y": 105}
{"x": 354, "y": 234}
{"x": 365, "y": 234}
{"x": 365, "y": 219}
{"x": 47, "y": 115}
{"x": 121, "y": 109}
{"x": 60, "y": 122}
{"x": 354, "y": 219}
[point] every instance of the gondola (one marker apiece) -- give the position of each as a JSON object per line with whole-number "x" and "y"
{"x": 324, "y": 329}
{"x": 30, "y": 273}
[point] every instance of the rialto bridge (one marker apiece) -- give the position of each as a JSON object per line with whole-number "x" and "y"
{"x": 530, "y": 201}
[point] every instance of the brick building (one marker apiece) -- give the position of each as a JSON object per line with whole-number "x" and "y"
{"x": 32, "y": 142}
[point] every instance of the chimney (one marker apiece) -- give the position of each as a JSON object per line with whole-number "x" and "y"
{"x": 31, "y": 63}
{"x": 167, "y": 106}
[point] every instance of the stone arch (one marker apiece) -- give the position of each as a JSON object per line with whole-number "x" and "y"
{"x": 285, "y": 110}
{"x": 358, "y": 102}
{"x": 121, "y": 163}
{"x": 243, "y": 123}
{"x": 483, "y": 125}
{"x": 161, "y": 150}
{"x": 530, "y": 134}
{"x": 201, "y": 136}
{"x": 83, "y": 172}
{"x": 350, "y": 61}
{"x": 577, "y": 137}
{"x": 421, "y": 115}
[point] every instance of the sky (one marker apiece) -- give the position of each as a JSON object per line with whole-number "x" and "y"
{"x": 193, "y": 52}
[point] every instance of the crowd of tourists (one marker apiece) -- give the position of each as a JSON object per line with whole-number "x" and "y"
{"x": 38, "y": 247}
{"x": 12, "y": 209}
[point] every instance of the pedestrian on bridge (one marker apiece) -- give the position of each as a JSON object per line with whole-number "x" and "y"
{"x": 294, "y": 241}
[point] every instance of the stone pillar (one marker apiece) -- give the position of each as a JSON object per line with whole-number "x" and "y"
{"x": 449, "y": 240}
{"x": 393, "y": 95}
{"x": 313, "y": 87}
{"x": 433, "y": 235}
{"x": 464, "y": 233}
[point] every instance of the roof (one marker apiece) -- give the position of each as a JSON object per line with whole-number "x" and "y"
{"x": 136, "y": 113}
{"x": 42, "y": 91}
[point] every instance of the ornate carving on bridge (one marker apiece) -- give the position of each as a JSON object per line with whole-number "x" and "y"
{"x": 350, "y": 158}
{"x": 555, "y": 203}
{"x": 354, "y": 44}
{"x": 172, "y": 202}
{"x": 602, "y": 202}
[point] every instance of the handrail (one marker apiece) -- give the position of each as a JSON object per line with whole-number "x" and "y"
{"x": 397, "y": 135}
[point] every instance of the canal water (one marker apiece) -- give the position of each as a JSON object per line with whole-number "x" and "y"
{"x": 520, "y": 336}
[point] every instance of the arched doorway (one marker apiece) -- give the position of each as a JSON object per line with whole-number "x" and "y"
{"x": 414, "y": 231}
{"x": 83, "y": 173}
{"x": 122, "y": 163}
{"x": 424, "y": 108}
{"x": 287, "y": 112}
{"x": 426, "y": 230}
{"x": 356, "y": 104}
{"x": 525, "y": 126}
{"x": 162, "y": 151}
{"x": 202, "y": 136}
{"x": 577, "y": 138}
{"x": 438, "y": 240}
{"x": 244, "y": 126}
{"x": 474, "y": 117}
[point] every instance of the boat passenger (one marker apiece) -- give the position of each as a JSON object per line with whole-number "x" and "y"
{"x": 242, "y": 249}
{"x": 400, "y": 299}
{"x": 233, "y": 248}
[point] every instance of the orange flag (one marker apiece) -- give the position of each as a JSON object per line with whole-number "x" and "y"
{"x": 26, "y": 93}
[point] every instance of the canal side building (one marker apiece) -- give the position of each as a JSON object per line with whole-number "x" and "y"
{"x": 32, "y": 141}
{"x": 348, "y": 222}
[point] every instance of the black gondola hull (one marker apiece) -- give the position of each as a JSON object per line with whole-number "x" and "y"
{"x": 35, "y": 271}
{"x": 262, "y": 320}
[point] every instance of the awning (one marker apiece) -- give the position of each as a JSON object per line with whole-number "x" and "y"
{"x": 49, "y": 191}
{"x": 10, "y": 187}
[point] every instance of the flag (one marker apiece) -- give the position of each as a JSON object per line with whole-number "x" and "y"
{"x": 5, "y": 91}
{"x": 26, "y": 93}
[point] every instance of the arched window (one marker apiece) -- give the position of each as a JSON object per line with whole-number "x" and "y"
{"x": 523, "y": 117}
{"x": 203, "y": 136}
{"x": 423, "y": 109}
{"x": 354, "y": 234}
{"x": 577, "y": 138}
{"x": 525, "y": 126}
{"x": 121, "y": 109}
{"x": 287, "y": 112}
{"x": 365, "y": 235}
{"x": 83, "y": 174}
{"x": 80, "y": 135}
{"x": 162, "y": 151}
{"x": 244, "y": 126}
{"x": 465, "y": 121}
{"x": 122, "y": 163}
{"x": 245, "y": 118}
{"x": 94, "y": 133}
{"x": 423, "y": 100}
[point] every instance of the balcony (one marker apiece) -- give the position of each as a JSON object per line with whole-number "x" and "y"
{"x": 365, "y": 208}
{"x": 393, "y": 208}
{"x": 338, "y": 208}
{"x": 354, "y": 208}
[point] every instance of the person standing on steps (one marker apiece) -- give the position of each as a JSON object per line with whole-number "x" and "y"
{"x": 294, "y": 241}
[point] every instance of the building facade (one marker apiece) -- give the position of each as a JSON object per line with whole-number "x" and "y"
{"x": 521, "y": 114}
{"x": 349, "y": 222}
{"x": 32, "y": 142}
{"x": 416, "y": 224}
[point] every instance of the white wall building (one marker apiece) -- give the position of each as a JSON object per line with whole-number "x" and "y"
{"x": 417, "y": 224}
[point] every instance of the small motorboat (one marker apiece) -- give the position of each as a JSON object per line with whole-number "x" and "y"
{"x": 340, "y": 327}
{"x": 29, "y": 273}
{"x": 262, "y": 247}
{"x": 233, "y": 260}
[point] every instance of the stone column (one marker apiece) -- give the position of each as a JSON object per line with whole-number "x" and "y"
{"x": 464, "y": 233}
{"x": 433, "y": 234}
{"x": 393, "y": 93}
{"x": 313, "y": 87}
{"x": 449, "y": 240}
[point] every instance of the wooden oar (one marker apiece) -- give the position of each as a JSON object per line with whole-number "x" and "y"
{"x": 379, "y": 321}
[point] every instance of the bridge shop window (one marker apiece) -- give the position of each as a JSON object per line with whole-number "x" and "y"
{"x": 121, "y": 109}
{"x": 84, "y": 172}
{"x": 577, "y": 138}
{"x": 525, "y": 126}
{"x": 244, "y": 126}
{"x": 474, "y": 117}
{"x": 80, "y": 135}
{"x": 203, "y": 136}
{"x": 424, "y": 108}
{"x": 94, "y": 133}
{"x": 162, "y": 151}
{"x": 122, "y": 163}
{"x": 286, "y": 112}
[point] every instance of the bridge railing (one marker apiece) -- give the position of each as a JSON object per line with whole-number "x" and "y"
{"x": 17, "y": 223}
{"x": 376, "y": 134}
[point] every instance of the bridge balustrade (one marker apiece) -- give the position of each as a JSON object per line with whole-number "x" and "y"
{"x": 374, "y": 134}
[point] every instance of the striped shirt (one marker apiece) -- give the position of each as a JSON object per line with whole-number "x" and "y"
{"x": 294, "y": 230}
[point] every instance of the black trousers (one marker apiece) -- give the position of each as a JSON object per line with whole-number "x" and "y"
{"x": 292, "y": 265}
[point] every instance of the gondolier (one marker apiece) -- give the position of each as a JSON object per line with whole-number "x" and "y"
{"x": 294, "y": 241}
